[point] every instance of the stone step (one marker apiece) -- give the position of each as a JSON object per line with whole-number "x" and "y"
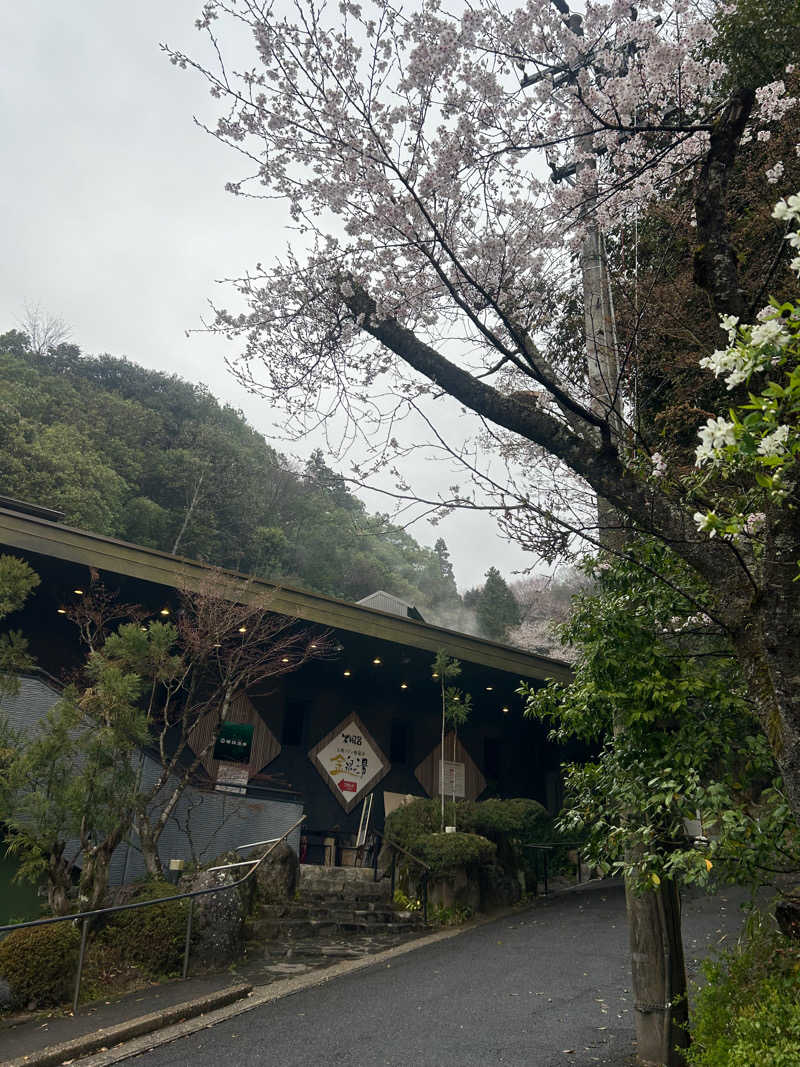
{"x": 368, "y": 891}
{"x": 335, "y": 910}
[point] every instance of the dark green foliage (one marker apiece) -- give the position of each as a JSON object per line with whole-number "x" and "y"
{"x": 748, "y": 1013}
{"x": 17, "y": 582}
{"x": 140, "y": 455}
{"x": 151, "y": 937}
{"x": 659, "y": 695}
{"x": 756, "y": 39}
{"x": 39, "y": 964}
{"x": 495, "y": 606}
{"x": 447, "y": 852}
{"x": 518, "y": 818}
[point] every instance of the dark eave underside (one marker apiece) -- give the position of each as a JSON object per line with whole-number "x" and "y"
{"x": 28, "y": 533}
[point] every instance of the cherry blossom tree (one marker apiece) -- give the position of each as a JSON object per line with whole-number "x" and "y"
{"x": 417, "y": 153}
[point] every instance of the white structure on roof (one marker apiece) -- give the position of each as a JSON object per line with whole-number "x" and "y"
{"x": 393, "y": 604}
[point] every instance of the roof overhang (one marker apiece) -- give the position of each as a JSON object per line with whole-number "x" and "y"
{"x": 29, "y": 533}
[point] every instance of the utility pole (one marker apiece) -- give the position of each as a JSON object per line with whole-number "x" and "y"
{"x": 658, "y": 968}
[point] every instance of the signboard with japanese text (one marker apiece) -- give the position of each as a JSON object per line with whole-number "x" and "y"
{"x": 232, "y": 778}
{"x": 454, "y": 779}
{"x": 350, "y": 761}
{"x": 234, "y": 742}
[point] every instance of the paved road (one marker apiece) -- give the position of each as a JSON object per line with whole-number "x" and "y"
{"x": 546, "y": 988}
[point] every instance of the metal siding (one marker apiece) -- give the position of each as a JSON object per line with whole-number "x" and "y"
{"x": 216, "y": 822}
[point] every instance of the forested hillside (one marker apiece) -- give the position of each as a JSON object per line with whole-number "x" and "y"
{"x": 150, "y": 458}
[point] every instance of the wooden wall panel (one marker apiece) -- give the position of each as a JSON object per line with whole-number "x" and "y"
{"x": 427, "y": 771}
{"x": 265, "y": 745}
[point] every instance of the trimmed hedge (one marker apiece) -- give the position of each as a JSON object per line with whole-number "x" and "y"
{"x": 39, "y": 964}
{"x": 498, "y": 820}
{"x": 447, "y": 852}
{"x": 152, "y": 938}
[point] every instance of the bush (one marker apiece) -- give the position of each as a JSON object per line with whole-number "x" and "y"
{"x": 39, "y": 964}
{"x": 749, "y": 1011}
{"x": 519, "y": 818}
{"x": 152, "y": 938}
{"x": 447, "y": 852}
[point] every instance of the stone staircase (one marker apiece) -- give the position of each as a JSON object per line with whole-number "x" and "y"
{"x": 339, "y": 913}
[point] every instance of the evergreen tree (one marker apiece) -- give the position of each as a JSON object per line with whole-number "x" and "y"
{"x": 496, "y": 607}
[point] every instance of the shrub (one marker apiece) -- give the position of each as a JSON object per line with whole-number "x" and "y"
{"x": 749, "y": 1011}
{"x": 152, "y": 938}
{"x": 39, "y": 963}
{"x": 447, "y": 852}
{"x": 519, "y": 818}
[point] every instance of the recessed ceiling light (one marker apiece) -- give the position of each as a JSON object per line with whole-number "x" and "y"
{"x": 346, "y": 674}
{"x": 312, "y": 646}
{"x": 164, "y": 611}
{"x": 78, "y": 592}
{"x": 489, "y": 688}
{"x": 403, "y": 685}
{"x": 242, "y": 629}
{"x": 285, "y": 659}
{"x": 505, "y": 711}
{"x": 434, "y": 675}
{"x": 61, "y": 611}
{"x": 377, "y": 661}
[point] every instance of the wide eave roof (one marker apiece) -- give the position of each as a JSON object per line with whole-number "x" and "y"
{"x": 30, "y": 533}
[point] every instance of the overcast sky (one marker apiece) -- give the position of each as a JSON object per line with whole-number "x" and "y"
{"x": 116, "y": 219}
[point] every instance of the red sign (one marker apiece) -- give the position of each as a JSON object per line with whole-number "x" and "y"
{"x": 348, "y": 787}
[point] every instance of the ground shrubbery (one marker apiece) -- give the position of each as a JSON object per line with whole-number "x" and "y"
{"x": 152, "y": 938}
{"x": 39, "y": 964}
{"x": 748, "y": 1014}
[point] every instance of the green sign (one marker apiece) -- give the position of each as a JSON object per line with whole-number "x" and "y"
{"x": 234, "y": 741}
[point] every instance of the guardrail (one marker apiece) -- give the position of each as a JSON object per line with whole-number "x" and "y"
{"x": 190, "y": 896}
{"x": 551, "y": 846}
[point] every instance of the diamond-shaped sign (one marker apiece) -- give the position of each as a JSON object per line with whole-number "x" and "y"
{"x": 350, "y": 761}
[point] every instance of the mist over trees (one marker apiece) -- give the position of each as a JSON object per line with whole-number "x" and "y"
{"x": 152, "y": 459}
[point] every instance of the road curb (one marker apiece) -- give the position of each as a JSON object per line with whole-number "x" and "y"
{"x": 83, "y": 1046}
{"x": 114, "y": 1044}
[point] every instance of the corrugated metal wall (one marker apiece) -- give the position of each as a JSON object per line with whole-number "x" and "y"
{"x": 203, "y": 825}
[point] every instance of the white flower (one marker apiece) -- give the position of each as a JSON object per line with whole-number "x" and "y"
{"x": 772, "y": 332}
{"x": 774, "y": 174}
{"x": 728, "y": 323}
{"x": 659, "y": 464}
{"x": 716, "y": 434}
{"x": 705, "y": 522}
{"x": 774, "y": 444}
{"x": 788, "y": 209}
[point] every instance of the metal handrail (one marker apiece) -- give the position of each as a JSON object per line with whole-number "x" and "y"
{"x": 399, "y": 848}
{"x": 548, "y": 846}
{"x": 87, "y": 915}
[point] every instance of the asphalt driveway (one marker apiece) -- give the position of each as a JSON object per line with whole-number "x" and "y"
{"x": 549, "y": 986}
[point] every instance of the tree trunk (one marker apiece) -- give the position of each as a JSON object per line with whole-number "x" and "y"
{"x": 59, "y": 882}
{"x": 659, "y": 975}
{"x": 148, "y": 842}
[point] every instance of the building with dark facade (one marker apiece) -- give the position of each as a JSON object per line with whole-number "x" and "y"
{"x": 364, "y": 721}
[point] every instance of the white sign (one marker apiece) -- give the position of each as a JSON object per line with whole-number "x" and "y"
{"x": 232, "y": 778}
{"x": 454, "y": 779}
{"x": 350, "y": 761}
